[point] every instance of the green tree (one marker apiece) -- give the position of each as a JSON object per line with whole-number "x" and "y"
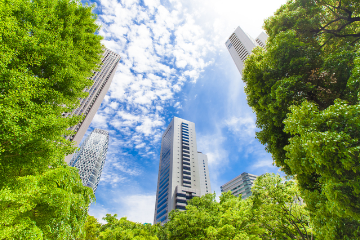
{"x": 92, "y": 228}
{"x": 272, "y": 212}
{"x": 123, "y": 229}
{"x": 52, "y": 205}
{"x": 48, "y": 51}
{"x": 327, "y": 143}
{"x": 309, "y": 74}
{"x": 278, "y": 208}
{"x": 204, "y": 218}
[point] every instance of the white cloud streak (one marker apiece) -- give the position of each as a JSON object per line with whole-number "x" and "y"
{"x": 137, "y": 208}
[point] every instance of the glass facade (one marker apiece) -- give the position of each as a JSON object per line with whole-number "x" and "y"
{"x": 163, "y": 191}
{"x": 90, "y": 159}
{"x": 240, "y": 185}
{"x": 179, "y": 169}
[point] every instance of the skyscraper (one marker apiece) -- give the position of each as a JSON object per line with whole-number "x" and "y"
{"x": 88, "y": 106}
{"x": 90, "y": 159}
{"x": 205, "y": 186}
{"x": 240, "y": 185}
{"x": 183, "y": 171}
{"x": 241, "y": 44}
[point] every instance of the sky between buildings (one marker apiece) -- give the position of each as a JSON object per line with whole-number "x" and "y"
{"x": 174, "y": 63}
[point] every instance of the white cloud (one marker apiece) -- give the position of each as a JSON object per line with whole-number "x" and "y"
{"x": 262, "y": 165}
{"x": 212, "y": 146}
{"x": 123, "y": 167}
{"x": 177, "y": 105}
{"x": 137, "y": 208}
{"x": 243, "y": 127}
{"x": 99, "y": 120}
{"x": 109, "y": 177}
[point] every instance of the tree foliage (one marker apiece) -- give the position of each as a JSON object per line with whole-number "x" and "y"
{"x": 327, "y": 143}
{"x": 92, "y": 228}
{"x": 52, "y": 205}
{"x": 205, "y": 218}
{"x": 270, "y": 213}
{"x": 119, "y": 229}
{"x": 278, "y": 208}
{"x": 304, "y": 89}
{"x": 48, "y": 51}
{"x": 274, "y": 211}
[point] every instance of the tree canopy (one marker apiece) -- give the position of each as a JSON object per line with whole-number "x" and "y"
{"x": 272, "y": 212}
{"x": 48, "y": 51}
{"x": 119, "y": 229}
{"x": 304, "y": 89}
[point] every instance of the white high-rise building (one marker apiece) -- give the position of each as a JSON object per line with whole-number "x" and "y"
{"x": 241, "y": 44}
{"x": 205, "y": 186}
{"x": 183, "y": 171}
{"x": 90, "y": 159}
{"x": 241, "y": 185}
{"x": 89, "y": 105}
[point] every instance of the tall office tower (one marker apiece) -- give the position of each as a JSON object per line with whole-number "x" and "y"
{"x": 205, "y": 186}
{"x": 91, "y": 157}
{"x": 241, "y": 44}
{"x": 88, "y": 106}
{"x": 240, "y": 185}
{"x": 183, "y": 172}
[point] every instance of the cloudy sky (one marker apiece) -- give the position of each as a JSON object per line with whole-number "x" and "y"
{"x": 174, "y": 63}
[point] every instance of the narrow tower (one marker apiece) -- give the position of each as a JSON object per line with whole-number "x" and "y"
{"x": 205, "y": 185}
{"x": 90, "y": 159}
{"x": 241, "y": 44}
{"x": 89, "y": 106}
{"x": 183, "y": 172}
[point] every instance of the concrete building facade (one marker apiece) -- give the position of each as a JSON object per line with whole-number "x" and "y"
{"x": 240, "y": 185}
{"x": 241, "y": 44}
{"x": 205, "y": 186}
{"x": 89, "y": 106}
{"x": 183, "y": 171}
{"x": 90, "y": 159}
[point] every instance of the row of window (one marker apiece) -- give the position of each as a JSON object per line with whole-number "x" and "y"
{"x": 164, "y": 172}
{"x": 163, "y": 194}
{"x": 161, "y": 214}
{"x": 180, "y": 201}
{"x": 180, "y": 195}
{"x": 162, "y": 191}
{"x": 162, "y": 202}
{"x": 164, "y": 179}
{"x": 164, "y": 187}
{"x": 163, "y": 219}
{"x": 186, "y": 168}
{"x": 186, "y": 155}
{"x": 160, "y": 209}
{"x": 180, "y": 207}
{"x": 186, "y": 173}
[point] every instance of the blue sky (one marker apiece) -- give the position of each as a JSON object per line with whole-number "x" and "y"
{"x": 174, "y": 63}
